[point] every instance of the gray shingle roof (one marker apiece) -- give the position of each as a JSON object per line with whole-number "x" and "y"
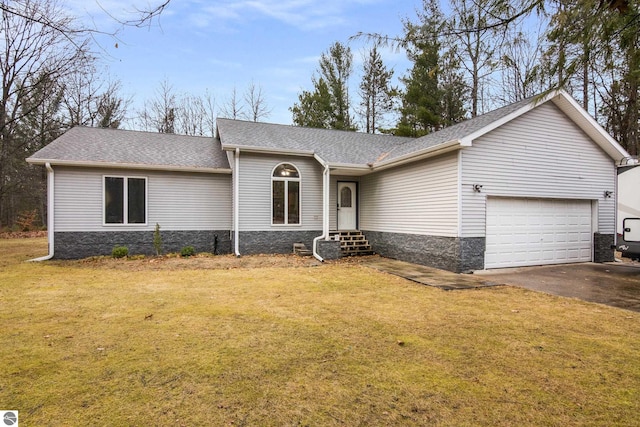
{"x": 146, "y": 149}
{"x": 348, "y": 147}
{"x": 332, "y": 146}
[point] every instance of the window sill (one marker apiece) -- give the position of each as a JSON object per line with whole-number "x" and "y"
{"x": 125, "y": 225}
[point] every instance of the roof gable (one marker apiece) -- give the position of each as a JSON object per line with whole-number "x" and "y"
{"x": 84, "y": 146}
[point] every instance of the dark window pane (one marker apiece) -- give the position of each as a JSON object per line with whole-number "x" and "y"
{"x": 294, "y": 202}
{"x": 278, "y": 202}
{"x": 114, "y": 200}
{"x": 345, "y": 197}
{"x": 137, "y": 201}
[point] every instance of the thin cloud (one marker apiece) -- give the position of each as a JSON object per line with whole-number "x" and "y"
{"x": 302, "y": 14}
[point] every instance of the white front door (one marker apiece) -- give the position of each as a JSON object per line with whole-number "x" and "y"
{"x": 347, "y": 206}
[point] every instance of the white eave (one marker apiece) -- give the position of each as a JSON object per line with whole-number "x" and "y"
{"x": 136, "y": 166}
{"x": 349, "y": 169}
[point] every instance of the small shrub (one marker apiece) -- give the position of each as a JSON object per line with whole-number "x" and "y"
{"x": 157, "y": 240}
{"x": 26, "y": 220}
{"x": 120, "y": 252}
{"x": 187, "y": 251}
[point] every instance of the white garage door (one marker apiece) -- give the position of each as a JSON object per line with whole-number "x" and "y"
{"x": 535, "y": 232}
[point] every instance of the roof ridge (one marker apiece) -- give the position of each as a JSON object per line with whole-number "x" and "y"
{"x": 146, "y": 132}
{"x": 292, "y": 126}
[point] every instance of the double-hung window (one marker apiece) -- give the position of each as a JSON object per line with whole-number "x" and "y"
{"x": 125, "y": 200}
{"x": 285, "y": 195}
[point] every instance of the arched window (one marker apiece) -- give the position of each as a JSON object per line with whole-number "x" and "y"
{"x": 285, "y": 195}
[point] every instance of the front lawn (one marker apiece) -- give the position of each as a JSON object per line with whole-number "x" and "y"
{"x": 179, "y": 342}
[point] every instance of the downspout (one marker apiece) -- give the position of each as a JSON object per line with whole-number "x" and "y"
{"x": 236, "y": 202}
{"x": 325, "y": 208}
{"x": 50, "y": 222}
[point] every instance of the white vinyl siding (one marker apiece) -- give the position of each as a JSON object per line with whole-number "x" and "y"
{"x": 175, "y": 200}
{"x": 255, "y": 192}
{"x": 523, "y": 232}
{"x": 418, "y": 198}
{"x": 541, "y": 154}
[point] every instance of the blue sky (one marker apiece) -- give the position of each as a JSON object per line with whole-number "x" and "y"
{"x": 200, "y": 45}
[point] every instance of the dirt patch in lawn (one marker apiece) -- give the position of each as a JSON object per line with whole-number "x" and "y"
{"x": 198, "y": 262}
{"x": 23, "y": 234}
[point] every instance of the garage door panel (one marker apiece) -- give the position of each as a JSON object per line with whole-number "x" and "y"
{"x": 536, "y": 232}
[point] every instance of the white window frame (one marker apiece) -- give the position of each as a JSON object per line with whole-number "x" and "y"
{"x": 286, "y": 196}
{"x": 125, "y": 202}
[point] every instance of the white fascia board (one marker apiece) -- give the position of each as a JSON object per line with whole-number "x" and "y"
{"x": 266, "y": 150}
{"x": 351, "y": 166}
{"x": 136, "y": 166}
{"x": 320, "y": 160}
{"x": 359, "y": 169}
{"x": 436, "y": 150}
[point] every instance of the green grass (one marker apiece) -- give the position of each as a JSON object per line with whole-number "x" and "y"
{"x": 117, "y": 342}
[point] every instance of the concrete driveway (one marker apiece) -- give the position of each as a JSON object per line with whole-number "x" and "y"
{"x": 614, "y": 284}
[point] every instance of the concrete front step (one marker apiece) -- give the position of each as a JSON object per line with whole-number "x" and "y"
{"x": 300, "y": 249}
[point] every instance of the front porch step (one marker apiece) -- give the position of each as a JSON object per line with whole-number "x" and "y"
{"x": 352, "y": 243}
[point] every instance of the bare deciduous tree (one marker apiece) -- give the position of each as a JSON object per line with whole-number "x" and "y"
{"x": 30, "y": 50}
{"x": 196, "y": 115}
{"x": 479, "y": 44}
{"x": 91, "y": 100}
{"x": 254, "y": 99}
{"x": 159, "y": 113}
{"x": 20, "y": 9}
{"x": 81, "y": 91}
{"x": 232, "y": 108}
{"x": 210, "y": 108}
{"x": 521, "y": 74}
{"x": 111, "y": 108}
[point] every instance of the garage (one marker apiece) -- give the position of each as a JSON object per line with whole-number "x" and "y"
{"x": 522, "y": 232}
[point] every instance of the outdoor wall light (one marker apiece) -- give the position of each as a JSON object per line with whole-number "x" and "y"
{"x": 477, "y": 188}
{"x": 608, "y": 194}
{"x": 629, "y": 161}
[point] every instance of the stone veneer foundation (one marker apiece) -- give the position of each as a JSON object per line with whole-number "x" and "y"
{"x": 74, "y": 245}
{"x": 602, "y": 247}
{"x": 448, "y": 253}
{"x": 274, "y": 242}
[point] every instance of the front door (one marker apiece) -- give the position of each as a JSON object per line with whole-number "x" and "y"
{"x": 347, "y": 206}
